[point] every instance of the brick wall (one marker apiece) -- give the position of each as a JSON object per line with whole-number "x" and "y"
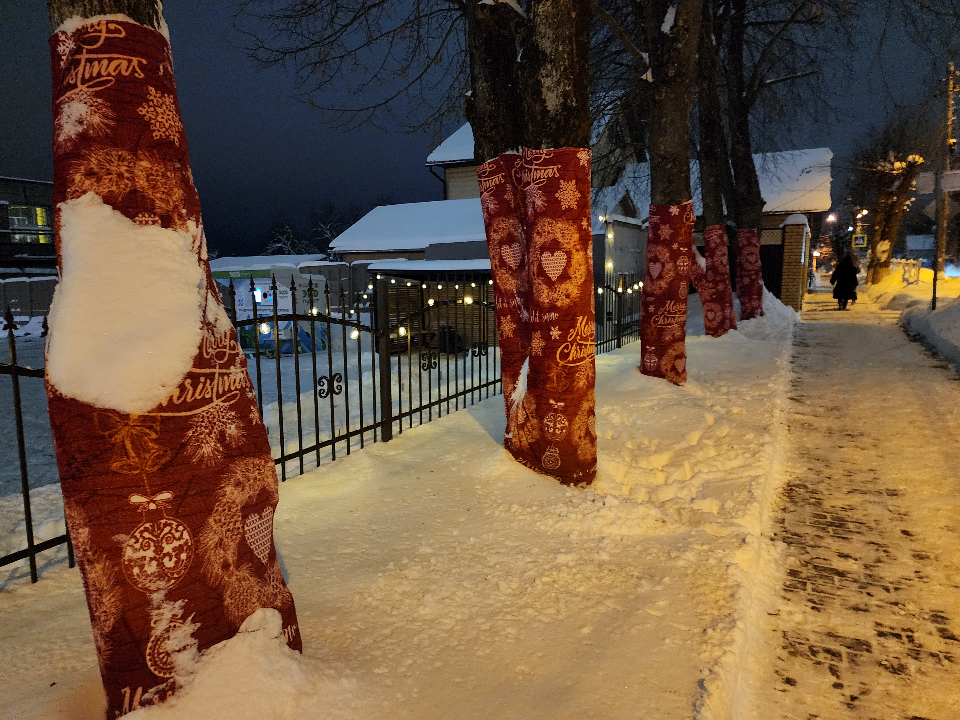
{"x": 795, "y": 258}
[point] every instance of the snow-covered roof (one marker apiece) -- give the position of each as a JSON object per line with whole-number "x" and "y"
{"x": 455, "y": 149}
{"x": 792, "y": 181}
{"x": 413, "y": 226}
{"x": 429, "y": 266}
{"x": 260, "y": 262}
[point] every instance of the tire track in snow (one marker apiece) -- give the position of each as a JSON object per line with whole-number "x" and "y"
{"x": 867, "y": 619}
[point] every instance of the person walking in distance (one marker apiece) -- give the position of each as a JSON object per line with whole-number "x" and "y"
{"x": 844, "y": 281}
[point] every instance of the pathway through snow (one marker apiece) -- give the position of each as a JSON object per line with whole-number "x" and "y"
{"x": 867, "y": 617}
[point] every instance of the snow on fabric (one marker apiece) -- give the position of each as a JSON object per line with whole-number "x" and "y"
{"x": 749, "y": 274}
{"x": 127, "y": 341}
{"x": 663, "y": 308}
{"x": 168, "y": 484}
{"x": 536, "y": 211}
{"x": 711, "y": 278}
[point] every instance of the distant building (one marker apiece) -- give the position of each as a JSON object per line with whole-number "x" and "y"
{"x": 921, "y": 247}
{"x": 26, "y": 228}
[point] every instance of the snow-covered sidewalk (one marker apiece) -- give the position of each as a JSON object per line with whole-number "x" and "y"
{"x": 435, "y": 577}
{"x": 865, "y": 617}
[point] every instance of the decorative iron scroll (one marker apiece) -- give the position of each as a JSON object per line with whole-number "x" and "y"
{"x": 330, "y": 384}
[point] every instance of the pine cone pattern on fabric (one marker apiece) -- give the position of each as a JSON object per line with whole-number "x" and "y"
{"x": 171, "y": 510}
{"x": 537, "y": 217}
{"x": 663, "y": 308}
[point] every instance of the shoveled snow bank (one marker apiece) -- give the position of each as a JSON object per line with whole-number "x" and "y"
{"x": 938, "y": 329}
{"x": 125, "y": 322}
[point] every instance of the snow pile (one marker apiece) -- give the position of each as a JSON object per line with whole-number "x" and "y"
{"x": 289, "y": 687}
{"x": 775, "y": 323}
{"x": 939, "y": 329}
{"x": 125, "y": 322}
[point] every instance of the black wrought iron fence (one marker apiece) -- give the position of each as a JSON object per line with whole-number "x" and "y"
{"x": 408, "y": 351}
{"x": 618, "y": 311}
{"x": 331, "y": 376}
{"x": 15, "y": 372}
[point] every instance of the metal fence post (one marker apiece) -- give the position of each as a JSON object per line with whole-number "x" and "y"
{"x": 382, "y": 321}
{"x": 10, "y": 325}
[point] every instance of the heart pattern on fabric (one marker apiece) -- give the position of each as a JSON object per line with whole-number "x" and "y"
{"x": 258, "y": 530}
{"x": 655, "y": 269}
{"x": 512, "y": 254}
{"x": 554, "y": 263}
{"x": 680, "y": 364}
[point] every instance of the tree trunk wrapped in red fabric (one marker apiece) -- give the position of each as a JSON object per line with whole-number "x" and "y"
{"x": 508, "y": 264}
{"x": 711, "y": 278}
{"x": 551, "y": 423}
{"x": 749, "y": 274}
{"x": 168, "y": 482}
{"x": 663, "y": 311}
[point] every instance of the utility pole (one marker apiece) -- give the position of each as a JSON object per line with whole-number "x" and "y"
{"x": 942, "y": 198}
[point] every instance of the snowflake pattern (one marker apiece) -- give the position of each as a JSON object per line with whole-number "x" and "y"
{"x": 507, "y": 326}
{"x": 146, "y": 219}
{"x": 674, "y": 209}
{"x": 211, "y": 430}
{"x": 161, "y": 112}
{"x": 554, "y": 332}
{"x": 535, "y": 199}
{"x": 65, "y": 47}
{"x": 665, "y": 232}
{"x": 584, "y": 157}
{"x": 568, "y": 195}
{"x": 537, "y": 344}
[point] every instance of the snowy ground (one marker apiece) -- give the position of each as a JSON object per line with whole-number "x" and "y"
{"x": 434, "y": 577}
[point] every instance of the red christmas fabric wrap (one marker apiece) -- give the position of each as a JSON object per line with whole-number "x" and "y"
{"x": 711, "y": 278}
{"x": 506, "y": 243}
{"x": 170, "y": 510}
{"x": 543, "y": 285}
{"x": 663, "y": 309}
{"x": 749, "y": 274}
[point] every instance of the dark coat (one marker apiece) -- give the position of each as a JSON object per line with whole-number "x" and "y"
{"x": 844, "y": 280}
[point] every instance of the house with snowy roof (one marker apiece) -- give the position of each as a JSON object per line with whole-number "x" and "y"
{"x": 795, "y": 186}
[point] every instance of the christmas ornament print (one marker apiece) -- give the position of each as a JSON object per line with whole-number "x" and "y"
{"x": 140, "y": 488}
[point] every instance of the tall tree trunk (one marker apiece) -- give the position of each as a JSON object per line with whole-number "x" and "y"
{"x": 886, "y": 226}
{"x": 673, "y": 57}
{"x": 493, "y": 108}
{"x": 168, "y": 482}
{"x": 555, "y": 75}
{"x": 715, "y": 174}
{"x": 672, "y": 32}
{"x": 747, "y": 210}
{"x": 536, "y": 209}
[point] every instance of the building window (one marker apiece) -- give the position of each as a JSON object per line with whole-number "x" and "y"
{"x": 29, "y": 224}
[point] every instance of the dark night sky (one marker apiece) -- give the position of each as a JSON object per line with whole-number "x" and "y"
{"x": 259, "y": 154}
